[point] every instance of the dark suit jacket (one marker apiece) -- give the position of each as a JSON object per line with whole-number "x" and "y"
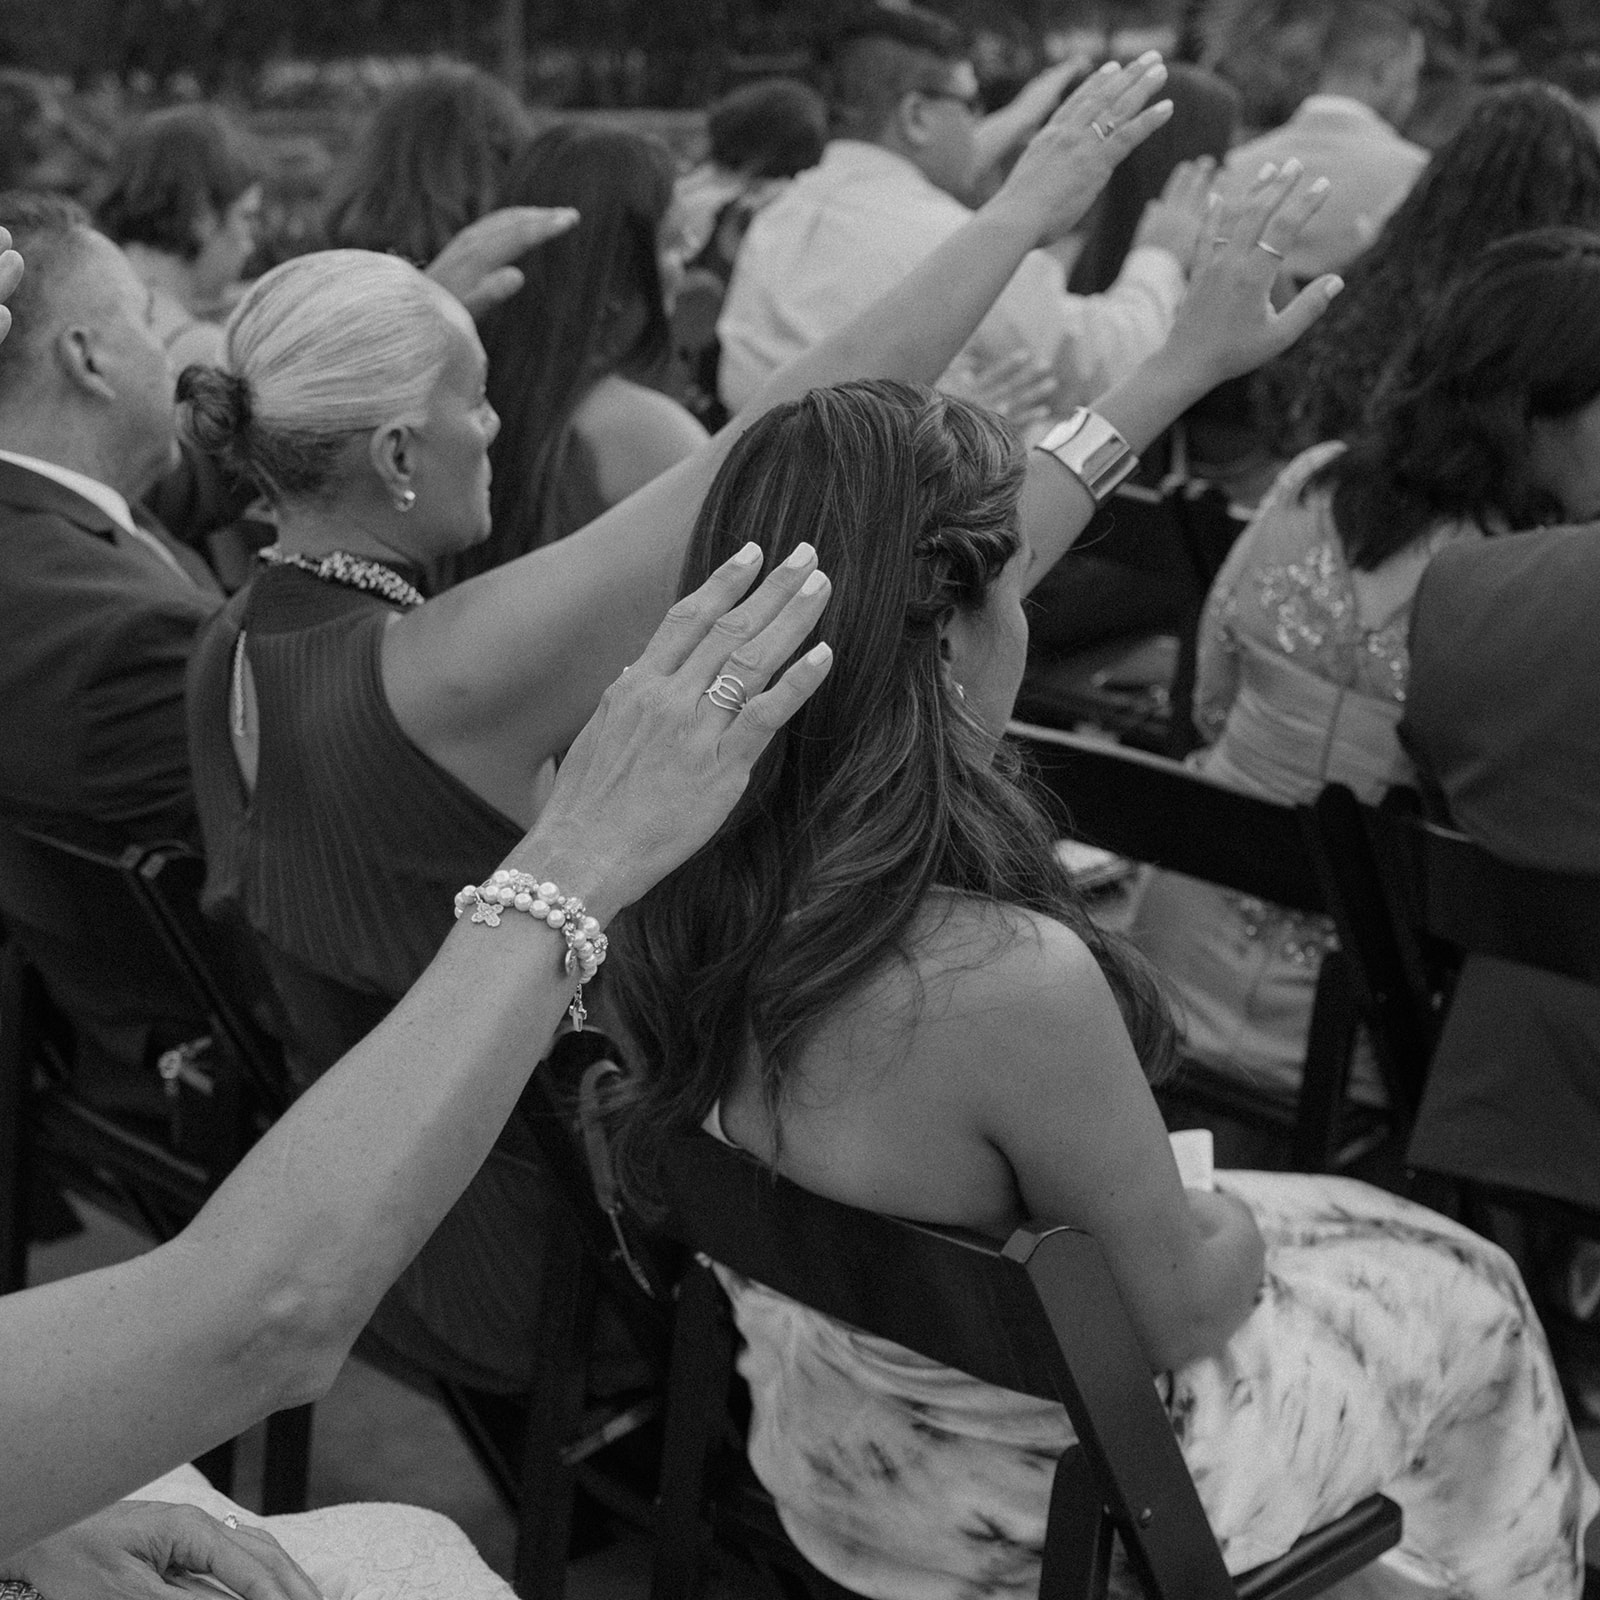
{"x": 1503, "y": 716}
{"x": 95, "y": 633}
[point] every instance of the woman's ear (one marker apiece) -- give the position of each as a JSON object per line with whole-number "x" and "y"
{"x": 389, "y": 449}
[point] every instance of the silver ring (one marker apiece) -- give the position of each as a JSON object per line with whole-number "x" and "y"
{"x": 1103, "y": 132}
{"x": 1277, "y": 255}
{"x": 727, "y": 693}
{"x": 230, "y": 1521}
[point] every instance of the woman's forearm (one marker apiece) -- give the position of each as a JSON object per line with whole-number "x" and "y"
{"x": 113, "y": 1377}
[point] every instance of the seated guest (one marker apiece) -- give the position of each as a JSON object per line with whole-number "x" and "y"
{"x": 183, "y": 198}
{"x": 109, "y": 1378}
{"x": 359, "y": 753}
{"x": 1524, "y": 158}
{"x": 760, "y": 135}
{"x": 890, "y": 187}
{"x": 432, "y": 158}
{"x": 98, "y": 605}
{"x": 1372, "y": 55}
{"x": 571, "y": 354}
{"x": 877, "y": 978}
{"x": 1304, "y": 666}
{"x": 1502, "y": 722}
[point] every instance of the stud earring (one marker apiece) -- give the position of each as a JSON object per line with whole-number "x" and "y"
{"x": 406, "y": 501}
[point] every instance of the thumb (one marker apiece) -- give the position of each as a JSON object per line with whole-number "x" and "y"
{"x": 493, "y": 290}
{"x": 1305, "y": 308}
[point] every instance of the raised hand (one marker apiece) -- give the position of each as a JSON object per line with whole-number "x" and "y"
{"x": 1227, "y": 324}
{"x": 477, "y": 266}
{"x": 1018, "y": 387}
{"x": 660, "y": 765}
{"x": 10, "y": 277}
{"x": 1066, "y": 164}
{"x": 1177, "y": 217}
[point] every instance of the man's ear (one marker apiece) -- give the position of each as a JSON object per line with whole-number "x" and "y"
{"x": 77, "y": 353}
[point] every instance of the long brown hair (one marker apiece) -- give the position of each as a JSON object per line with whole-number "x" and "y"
{"x": 881, "y": 788}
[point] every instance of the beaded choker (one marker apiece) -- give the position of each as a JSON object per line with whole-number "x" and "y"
{"x": 353, "y": 572}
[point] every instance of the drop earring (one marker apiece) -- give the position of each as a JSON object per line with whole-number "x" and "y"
{"x": 406, "y": 501}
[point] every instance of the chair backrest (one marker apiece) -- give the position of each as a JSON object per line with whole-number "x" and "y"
{"x": 1152, "y": 809}
{"x": 1040, "y": 1315}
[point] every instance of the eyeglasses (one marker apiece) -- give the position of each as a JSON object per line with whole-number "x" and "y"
{"x": 972, "y": 103}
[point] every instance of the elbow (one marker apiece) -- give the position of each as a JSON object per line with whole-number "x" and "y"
{"x": 297, "y": 1344}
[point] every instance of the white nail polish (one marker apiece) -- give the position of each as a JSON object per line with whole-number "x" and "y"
{"x": 816, "y": 581}
{"x": 800, "y": 555}
{"x": 748, "y": 556}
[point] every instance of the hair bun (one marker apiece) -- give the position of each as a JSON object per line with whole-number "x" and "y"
{"x": 220, "y": 408}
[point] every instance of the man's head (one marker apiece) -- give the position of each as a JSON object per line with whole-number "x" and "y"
{"x": 902, "y": 78}
{"x": 84, "y": 380}
{"x": 1374, "y": 51}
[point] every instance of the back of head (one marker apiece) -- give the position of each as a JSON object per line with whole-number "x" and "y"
{"x": 1365, "y": 36}
{"x": 51, "y": 232}
{"x": 882, "y": 787}
{"x": 323, "y": 348}
{"x": 168, "y": 170}
{"x": 1524, "y": 158}
{"x": 591, "y": 304}
{"x": 772, "y": 128}
{"x": 884, "y": 53}
{"x": 433, "y": 158}
{"x": 1515, "y": 339}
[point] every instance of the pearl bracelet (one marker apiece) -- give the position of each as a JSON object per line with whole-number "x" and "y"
{"x": 521, "y": 891}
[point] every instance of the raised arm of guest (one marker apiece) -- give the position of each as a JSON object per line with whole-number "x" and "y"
{"x": 110, "y": 1378}
{"x": 495, "y": 676}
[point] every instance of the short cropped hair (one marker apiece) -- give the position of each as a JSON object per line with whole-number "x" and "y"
{"x": 169, "y": 169}
{"x": 880, "y": 56}
{"x": 772, "y": 128}
{"x": 50, "y": 231}
{"x": 1362, "y": 34}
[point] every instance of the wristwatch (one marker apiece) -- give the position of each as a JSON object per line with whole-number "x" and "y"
{"x": 1091, "y": 450}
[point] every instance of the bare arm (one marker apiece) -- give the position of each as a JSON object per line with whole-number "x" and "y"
{"x": 1227, "y": 326}
{"x": 110, "y": 1378}
{"x": 497, "y": 675}
{"x": 1187, "y": 1263}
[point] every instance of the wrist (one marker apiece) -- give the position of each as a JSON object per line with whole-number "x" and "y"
{"x": 1013, "y": 222}
{"x": 1184, "y": 375}
{"x": 576, "y": 868}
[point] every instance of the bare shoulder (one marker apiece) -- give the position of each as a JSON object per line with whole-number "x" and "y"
{"x": 635, "y": 434}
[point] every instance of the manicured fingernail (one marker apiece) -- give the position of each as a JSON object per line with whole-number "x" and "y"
{"x": 1332, "y": 286}
{"x": 817, "y": 580}
{"x": 1292, "y": 167}
{"x": 1157, "y": 73}
{"x": 1106, "y": 68}
{"x": 1321, "y": 186}
{"x": 818, "y": 654}
{"x": 1266, "y": 172}
{"x": 1148, "y": 56}
{"x": 748, "y": 556}
{"x": 800, "y": 555}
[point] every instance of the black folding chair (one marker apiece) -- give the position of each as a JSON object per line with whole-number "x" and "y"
{"x": 101, "y": 947}
{"x": 1153, "y": 810}
{"x": 1039, "y": 1315}
{"x": 1429, "y": 896}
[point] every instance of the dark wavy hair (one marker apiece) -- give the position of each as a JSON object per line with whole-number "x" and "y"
{"x": 1516, "y": 338}
{"x": 168, "y": 170}
{"x": 882, "y": 788}
{"x": 1525, "y": 158}
{"x": 433, "y": 157}
{"x": 591, "y": 305}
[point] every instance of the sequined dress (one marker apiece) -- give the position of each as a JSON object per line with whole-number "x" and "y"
{"x": 1301, "y": 680}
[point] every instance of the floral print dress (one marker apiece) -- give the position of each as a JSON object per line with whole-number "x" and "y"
{"x": 1301, "y": 680}
{"x": 1389, "y": 1349}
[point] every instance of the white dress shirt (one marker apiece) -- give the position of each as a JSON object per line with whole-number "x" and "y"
{"x": 104, "y": 498}
{"x": 1369, "y": 165}
{"x": 848, "y": 230}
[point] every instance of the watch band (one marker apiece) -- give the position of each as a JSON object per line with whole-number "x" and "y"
{"x": 1091, "y": 450}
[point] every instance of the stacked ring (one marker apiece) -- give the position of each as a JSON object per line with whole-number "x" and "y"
{"x": 727, "y": 693}
{"x": 1277, "y": 255}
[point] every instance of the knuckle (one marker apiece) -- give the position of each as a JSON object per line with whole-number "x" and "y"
{"x": 684, "y": 610}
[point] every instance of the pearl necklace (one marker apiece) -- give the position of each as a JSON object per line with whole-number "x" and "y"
{"x": 353, "y": 572}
